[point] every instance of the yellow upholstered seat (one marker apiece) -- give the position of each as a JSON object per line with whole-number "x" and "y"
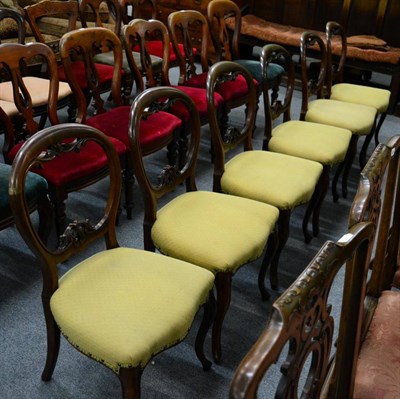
{"x": 277, "y": 179}
{"x": 357, "y": 118}
{"x": 321, "y": 143}
{"x": 123, "y": 306}
{"x": 203, "y": 231}
{"x": 357, "y": 94}
{"x": 38, "y": 88}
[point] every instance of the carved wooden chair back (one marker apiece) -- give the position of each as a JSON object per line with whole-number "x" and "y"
{"x": 225, "y": 41}
{"x": 152, "y": 101}
{"x": 181, "y": 24}
{"x": 131, "y": 9}
{"x": 274, "y": 53}
{"x": 378, "y": 200}
{"x": 114, "y": 11}
{"x": 302, "y": 320}
{"x": 312, "y": 87}
{"x": 226, "y": 137}
{"x": 8, "y": 13}
{"x": 137, "y": 34}
{"x": 51, "y": 8}
{"x": 86, "y": 43}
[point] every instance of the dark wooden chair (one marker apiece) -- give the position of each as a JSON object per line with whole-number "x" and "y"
{"x": 352, "y": 93}
{"x": 156, "y": 132}
{"x": 121, "y": 306}
{"x": 215, "y": 231}
{"x": 301, "y": 326}
{"x": 18, "y": 19}
{"x": 63, "y": 175}
{"x": 277, "y": 179}
{"x": 359, "y": 119}
{"x": 325, "y": 144}
{"x": 226, "y": 44}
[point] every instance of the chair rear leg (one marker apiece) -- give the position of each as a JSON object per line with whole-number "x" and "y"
{"x": 324, "y": 179}
{"x": 270, "y": 251}
{"x": 364, "y": 148}
{"x": 209, "y": 309}
{"x": 351, "y": 152}
{"x": 379, "y": 125}
{"x": 283, "y": 235}
{"x": 130, "y": 382}
{"x": 223, "y": 284}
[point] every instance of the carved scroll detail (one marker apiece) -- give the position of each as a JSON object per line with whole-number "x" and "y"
{"x": 75, "y": 234}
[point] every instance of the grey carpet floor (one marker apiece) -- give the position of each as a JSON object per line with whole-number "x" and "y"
{"x": 176, "y": 373}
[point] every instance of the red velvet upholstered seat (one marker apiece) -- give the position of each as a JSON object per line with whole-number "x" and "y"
{"x": 156, "y": 48}
{"x": 157, "y": 128}
{"x": 73, "y": 165}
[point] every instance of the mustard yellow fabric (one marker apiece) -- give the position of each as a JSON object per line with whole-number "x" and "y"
{"x": 124, "y": 305}
{"x": 38, "y": 89}
{"x": 8, "y": 107}
{"x": 277, "y": 179}
{"x": 357, "y": 118}
{"x": 321, "y": 143}
{"x": 357, "y": 94}
{"x": 216, "y": 231}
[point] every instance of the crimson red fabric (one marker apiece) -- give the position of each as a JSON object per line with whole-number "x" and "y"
{"x": 114, "y": 123}
{"x": 155, "y": 47}
{"x": 73, "y": 165}
{"x": 199, "y": 97}
{"x": 105, "y": 73}
{"x": 229, "y": 90}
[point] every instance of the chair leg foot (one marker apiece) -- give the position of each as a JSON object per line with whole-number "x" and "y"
{"x": 130, "y": 382}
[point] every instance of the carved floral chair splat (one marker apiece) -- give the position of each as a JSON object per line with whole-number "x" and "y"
{"x": 128, "y": 326}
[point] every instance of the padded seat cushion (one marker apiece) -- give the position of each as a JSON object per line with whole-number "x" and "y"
{"x": 108, "y": 59}
{"x": 321, "y": 143}
{"x": 155, "y": 47}
{"x": 8, "y": 107}
{"x": 277, "y": 179}
{"x": 357, "y": 118}
{"x": 254, "y": 68}
{"x": 115, "y": 122}
{"x": 213, "y": 230}
{"x": 38, "y": 89}
{"x": 199, "y": 96}
{"x": 73, "y": 165}
{"x": 229, "y": 90}
{"x": 105, "y": 73}
{"x": 123, "y": 306}
{"x": 35, "y": 187}
{"x": 357, "y": 94}
{"x": 378, "y": 365}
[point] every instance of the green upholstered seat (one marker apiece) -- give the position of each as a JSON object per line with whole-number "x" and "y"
{"x": 123, "y": 306}
{"x": 108, "y": 59}
{"x": 321, "y": 143}
{"x": 197, "y": 227}
{"x": 357, "y": 94}
{"x": 280, "y": 180}
{"x": 357, "y": 118}
{"x": 254, "y": 67}
{"x": 35, "y": 186}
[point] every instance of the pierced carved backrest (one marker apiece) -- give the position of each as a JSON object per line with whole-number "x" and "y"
{"x": 181, "y": 25}
{"x": 8, "y": 13}
{"x": 378, "y": 200}
{"x": 51, "y": 8}
{"x": 301, "y": 319}
{"x": 43, "y": 147}
{"x": 140, "y": 32}
{"x": 229, "y": 135}
{"x": 310, "y": 86}
{"x": 145, "y": 9}
{"x": 84, "y": 44}
{"x": 335, "y": 72}
{"x": 13, "y": 67}
{"x": 273, "y": 53}
{"x": 147, "y": 103}
{"x": 114, "y": 10}
{"x": 225, "y": 43}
